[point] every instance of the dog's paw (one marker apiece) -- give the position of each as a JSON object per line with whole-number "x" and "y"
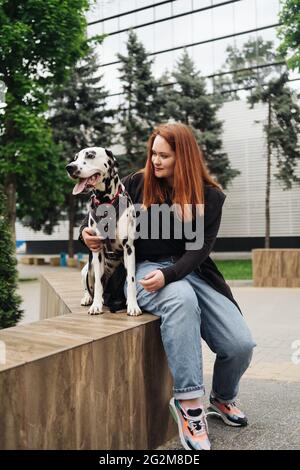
{"x": 96, "y": 309}
{"x": 86, "y": 299}
{"x": 133, "y": 309}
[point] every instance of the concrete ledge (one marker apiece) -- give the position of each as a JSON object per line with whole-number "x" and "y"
{"x": 75, "y": 381}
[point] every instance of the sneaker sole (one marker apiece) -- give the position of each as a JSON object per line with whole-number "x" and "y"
{"x": 176, "y": 418}
{"x": 214, "y": 409}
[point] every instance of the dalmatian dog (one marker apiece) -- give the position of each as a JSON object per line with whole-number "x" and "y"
{"x": 97, "y": 172}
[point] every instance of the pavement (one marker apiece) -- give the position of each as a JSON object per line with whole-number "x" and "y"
{"x": 231, "y": 255}
{"x": 270, "y": 388}
{"x": 30, "y": 289}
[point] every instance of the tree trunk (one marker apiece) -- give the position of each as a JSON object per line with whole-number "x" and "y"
{"x": 71, "y": 226}
{"x": 268, "y": 185}
{"x": 10, "y": 193}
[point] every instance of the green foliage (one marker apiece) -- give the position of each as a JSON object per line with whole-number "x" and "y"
{"x": 289, "y": 32}
{"x": 40, "y": 40}
{"x": 188, "y": 101}
{"x": 10, "y": 312}
{"x": 268, "y": 85}
{"x": 33, "y": 159}
{"x": 285, "y": 126}
{"x": 80, "y": 118}
{"x": 140, "y": 110}
{"x": 248, "y": 66}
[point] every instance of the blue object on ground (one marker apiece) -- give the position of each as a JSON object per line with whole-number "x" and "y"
{"x": 63, "y": 259}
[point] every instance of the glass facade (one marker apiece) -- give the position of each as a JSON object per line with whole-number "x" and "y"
{"x": 204, "y": 27}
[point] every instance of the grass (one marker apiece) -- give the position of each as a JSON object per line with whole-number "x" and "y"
{"x": 27, "y": 279}
{"x": 235, "y": 269}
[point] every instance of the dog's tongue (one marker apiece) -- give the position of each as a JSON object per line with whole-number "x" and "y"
{"x": 79, "y": 187}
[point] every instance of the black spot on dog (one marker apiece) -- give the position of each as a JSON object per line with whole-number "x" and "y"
{"x": 105, "y": 165}
{"x": 109, "y": 153}
{"x": 99, "y": 257}
{"x": 124, "y": 241}
{"x": 132, "y": 279}
{"x": 90, "y": 154}
{"x": 116, "y": 179}
{"x": 129, "y": 250}
{"x": 84, "y": 163}
{"x": 92, "y": 222}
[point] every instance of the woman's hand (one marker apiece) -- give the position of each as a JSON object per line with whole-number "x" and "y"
{"x": 153, "y": 281}
{"x": 93, "y": 242}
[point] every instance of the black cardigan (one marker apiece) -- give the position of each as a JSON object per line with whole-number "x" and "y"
{"x": 193, "y": 260}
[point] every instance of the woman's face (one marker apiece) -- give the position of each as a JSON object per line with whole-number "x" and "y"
{"x": 163, "y": 159}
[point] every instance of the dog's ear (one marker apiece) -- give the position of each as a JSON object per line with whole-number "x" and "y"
{"x": 109, "y": 153}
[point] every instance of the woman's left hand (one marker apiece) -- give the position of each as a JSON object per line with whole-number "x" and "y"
{"x": 153, "y": 281}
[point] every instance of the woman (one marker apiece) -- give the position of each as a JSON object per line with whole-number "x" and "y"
{"x": 185, "y": 288}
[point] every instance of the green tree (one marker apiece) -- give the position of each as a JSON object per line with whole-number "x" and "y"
{"x": 268, "y": 85}
{"x": 139, "y": 112}
{"x": 80, "y": 118}
{"x": 10, "y": 312}
{"x": 247, "y": 68}
{"x": 289, "y": 32}
{"x": 282, "y": 130}
{"x": 39, "y": 41}
{"x": 188, "y": 101}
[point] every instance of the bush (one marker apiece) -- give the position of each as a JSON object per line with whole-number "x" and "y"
{"x": 10, "y": 312}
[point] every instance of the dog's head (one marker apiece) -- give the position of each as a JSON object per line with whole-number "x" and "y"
{"x": 92, "y": 166}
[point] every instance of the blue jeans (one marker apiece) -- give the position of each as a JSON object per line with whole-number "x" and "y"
{"x": 188, "y": 309}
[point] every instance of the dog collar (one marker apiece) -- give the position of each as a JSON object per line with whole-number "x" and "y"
{"x": 97, "y": 203}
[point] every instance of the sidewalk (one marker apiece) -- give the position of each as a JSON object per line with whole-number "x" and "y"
{"x": 229, "y": 255}
{"x": 270, "y": 389}
{"x": 30, "y": 289}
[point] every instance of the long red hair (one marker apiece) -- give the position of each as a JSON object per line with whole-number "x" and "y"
{"x": 190, "y": 171}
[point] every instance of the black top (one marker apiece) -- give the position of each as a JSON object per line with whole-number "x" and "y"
{"x": 191, "y": 260}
